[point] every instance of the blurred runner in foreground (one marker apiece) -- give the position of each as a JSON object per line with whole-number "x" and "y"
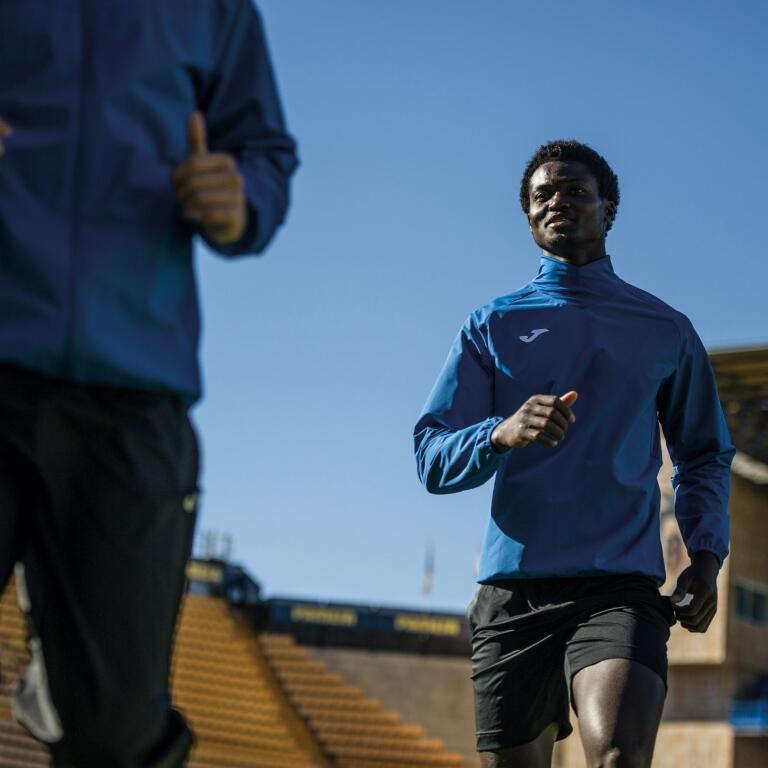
{"x": 557, "y": 390}
{"x": 126, "y": 128}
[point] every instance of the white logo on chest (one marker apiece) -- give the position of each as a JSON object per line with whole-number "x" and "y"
{"x": 535, "y": 333}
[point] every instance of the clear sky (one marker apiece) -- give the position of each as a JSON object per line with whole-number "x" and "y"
{"x": 414, "y": 120}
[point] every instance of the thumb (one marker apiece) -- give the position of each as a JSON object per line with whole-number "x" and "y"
{"x": 196, "y": 135}
{"x": 568, "y": 399}
{"x": 681, "y": 590}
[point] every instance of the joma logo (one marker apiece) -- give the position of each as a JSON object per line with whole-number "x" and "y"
{"x": 535, "y": 333}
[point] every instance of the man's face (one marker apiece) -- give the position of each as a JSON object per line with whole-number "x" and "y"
{"x": 566, "y": 213}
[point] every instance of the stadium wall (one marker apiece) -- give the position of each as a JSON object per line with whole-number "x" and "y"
{"x": 434, "y": 691}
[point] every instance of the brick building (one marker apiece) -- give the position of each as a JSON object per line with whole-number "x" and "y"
{"x": 718, "y": 694}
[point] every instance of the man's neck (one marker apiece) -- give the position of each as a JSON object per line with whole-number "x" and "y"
{"x": 579, "y": 256}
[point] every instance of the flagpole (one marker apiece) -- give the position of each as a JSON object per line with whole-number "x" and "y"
{"x": 428, "y": 578}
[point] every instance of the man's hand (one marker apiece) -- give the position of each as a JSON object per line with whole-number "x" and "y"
{"x": 699, "y": 579}
{"x": 210, "y": 187}
{"x": 5, "y": 131}
{"x": 541, "y": 419}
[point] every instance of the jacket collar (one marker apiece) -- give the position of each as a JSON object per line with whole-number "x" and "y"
{"x": 561, "y": 280}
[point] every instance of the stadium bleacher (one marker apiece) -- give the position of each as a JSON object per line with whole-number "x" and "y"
{"x": 352, "y": 728}
{"x": 254, "y": 699}
{"x": 222, "y": 683}
{"x": 17, "y": 748}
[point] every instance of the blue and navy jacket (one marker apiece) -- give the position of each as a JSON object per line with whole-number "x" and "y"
{"x": 96, "y": 270}
{"x": 591, "y": 505}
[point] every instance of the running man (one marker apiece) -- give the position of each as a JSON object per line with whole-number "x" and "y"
{"x": 557, "y": 390}
{"x": 125, "y": 129}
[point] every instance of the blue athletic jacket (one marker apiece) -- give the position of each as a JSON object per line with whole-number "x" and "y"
{"x": 591, "y": 505}
{"x": 96, "y": 272}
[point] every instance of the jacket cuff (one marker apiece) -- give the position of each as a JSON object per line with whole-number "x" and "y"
{"x": 719, "y": 555}
{"x": 485, "y": 446}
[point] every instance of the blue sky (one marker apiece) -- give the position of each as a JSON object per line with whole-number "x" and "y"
{"x": 414, "y": 120}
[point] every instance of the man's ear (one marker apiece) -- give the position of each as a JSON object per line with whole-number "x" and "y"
{"x": 530, "y": 228}
{"x": 609, "y": 208}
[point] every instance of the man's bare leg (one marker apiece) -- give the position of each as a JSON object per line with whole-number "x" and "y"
{"x": 534, "y": 754}
{"x": 619, "y": 704}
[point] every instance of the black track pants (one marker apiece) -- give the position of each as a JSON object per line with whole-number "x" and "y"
{"x": 98, "y": 491}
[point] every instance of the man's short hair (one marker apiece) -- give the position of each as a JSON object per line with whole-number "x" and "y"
{"x": 568, "y": 149}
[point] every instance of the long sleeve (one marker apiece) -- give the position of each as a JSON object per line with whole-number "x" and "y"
{"x": 453, "y": 435}
{"x": 700, "y": 447}
{"x": 243, "y": 113}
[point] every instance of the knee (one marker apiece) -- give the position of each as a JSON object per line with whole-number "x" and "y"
{"x": 613, "y": 756}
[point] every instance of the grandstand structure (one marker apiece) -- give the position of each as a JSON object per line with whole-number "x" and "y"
{"x": 256, "y": 698}
{"x": 278, "y": 682}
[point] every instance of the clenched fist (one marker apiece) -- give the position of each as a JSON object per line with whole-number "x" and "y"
{"x": 540, "y": 419}
{"x": 5, "y": 131}
{"x": 210, "y": 187}
{"x": 699, "y": 580}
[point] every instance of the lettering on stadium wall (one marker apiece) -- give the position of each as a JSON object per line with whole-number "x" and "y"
{"x": 313, "y": 614}
{"x": 427, "y": 625}
{"x": 368, "y": 626}
{"x": 205, "y": 572}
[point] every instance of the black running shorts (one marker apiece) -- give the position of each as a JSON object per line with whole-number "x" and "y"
{"x": 531, "y": 636}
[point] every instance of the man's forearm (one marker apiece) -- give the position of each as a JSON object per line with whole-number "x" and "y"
{"x": 449, "y": 461}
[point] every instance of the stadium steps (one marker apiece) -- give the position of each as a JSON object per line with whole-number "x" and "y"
{"x": 223, "y": 684}
{"x": 254, "y": 701}
{"x": 17, "y": 748}
{"x": 352, "y": 728}
{"x": 220, "y": 680}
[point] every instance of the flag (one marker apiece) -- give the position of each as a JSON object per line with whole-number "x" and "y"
{"x": 429, "y": 569}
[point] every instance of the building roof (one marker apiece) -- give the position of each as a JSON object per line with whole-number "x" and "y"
{"x": 742, "y": 378}
{"x": 742, "y": 373}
